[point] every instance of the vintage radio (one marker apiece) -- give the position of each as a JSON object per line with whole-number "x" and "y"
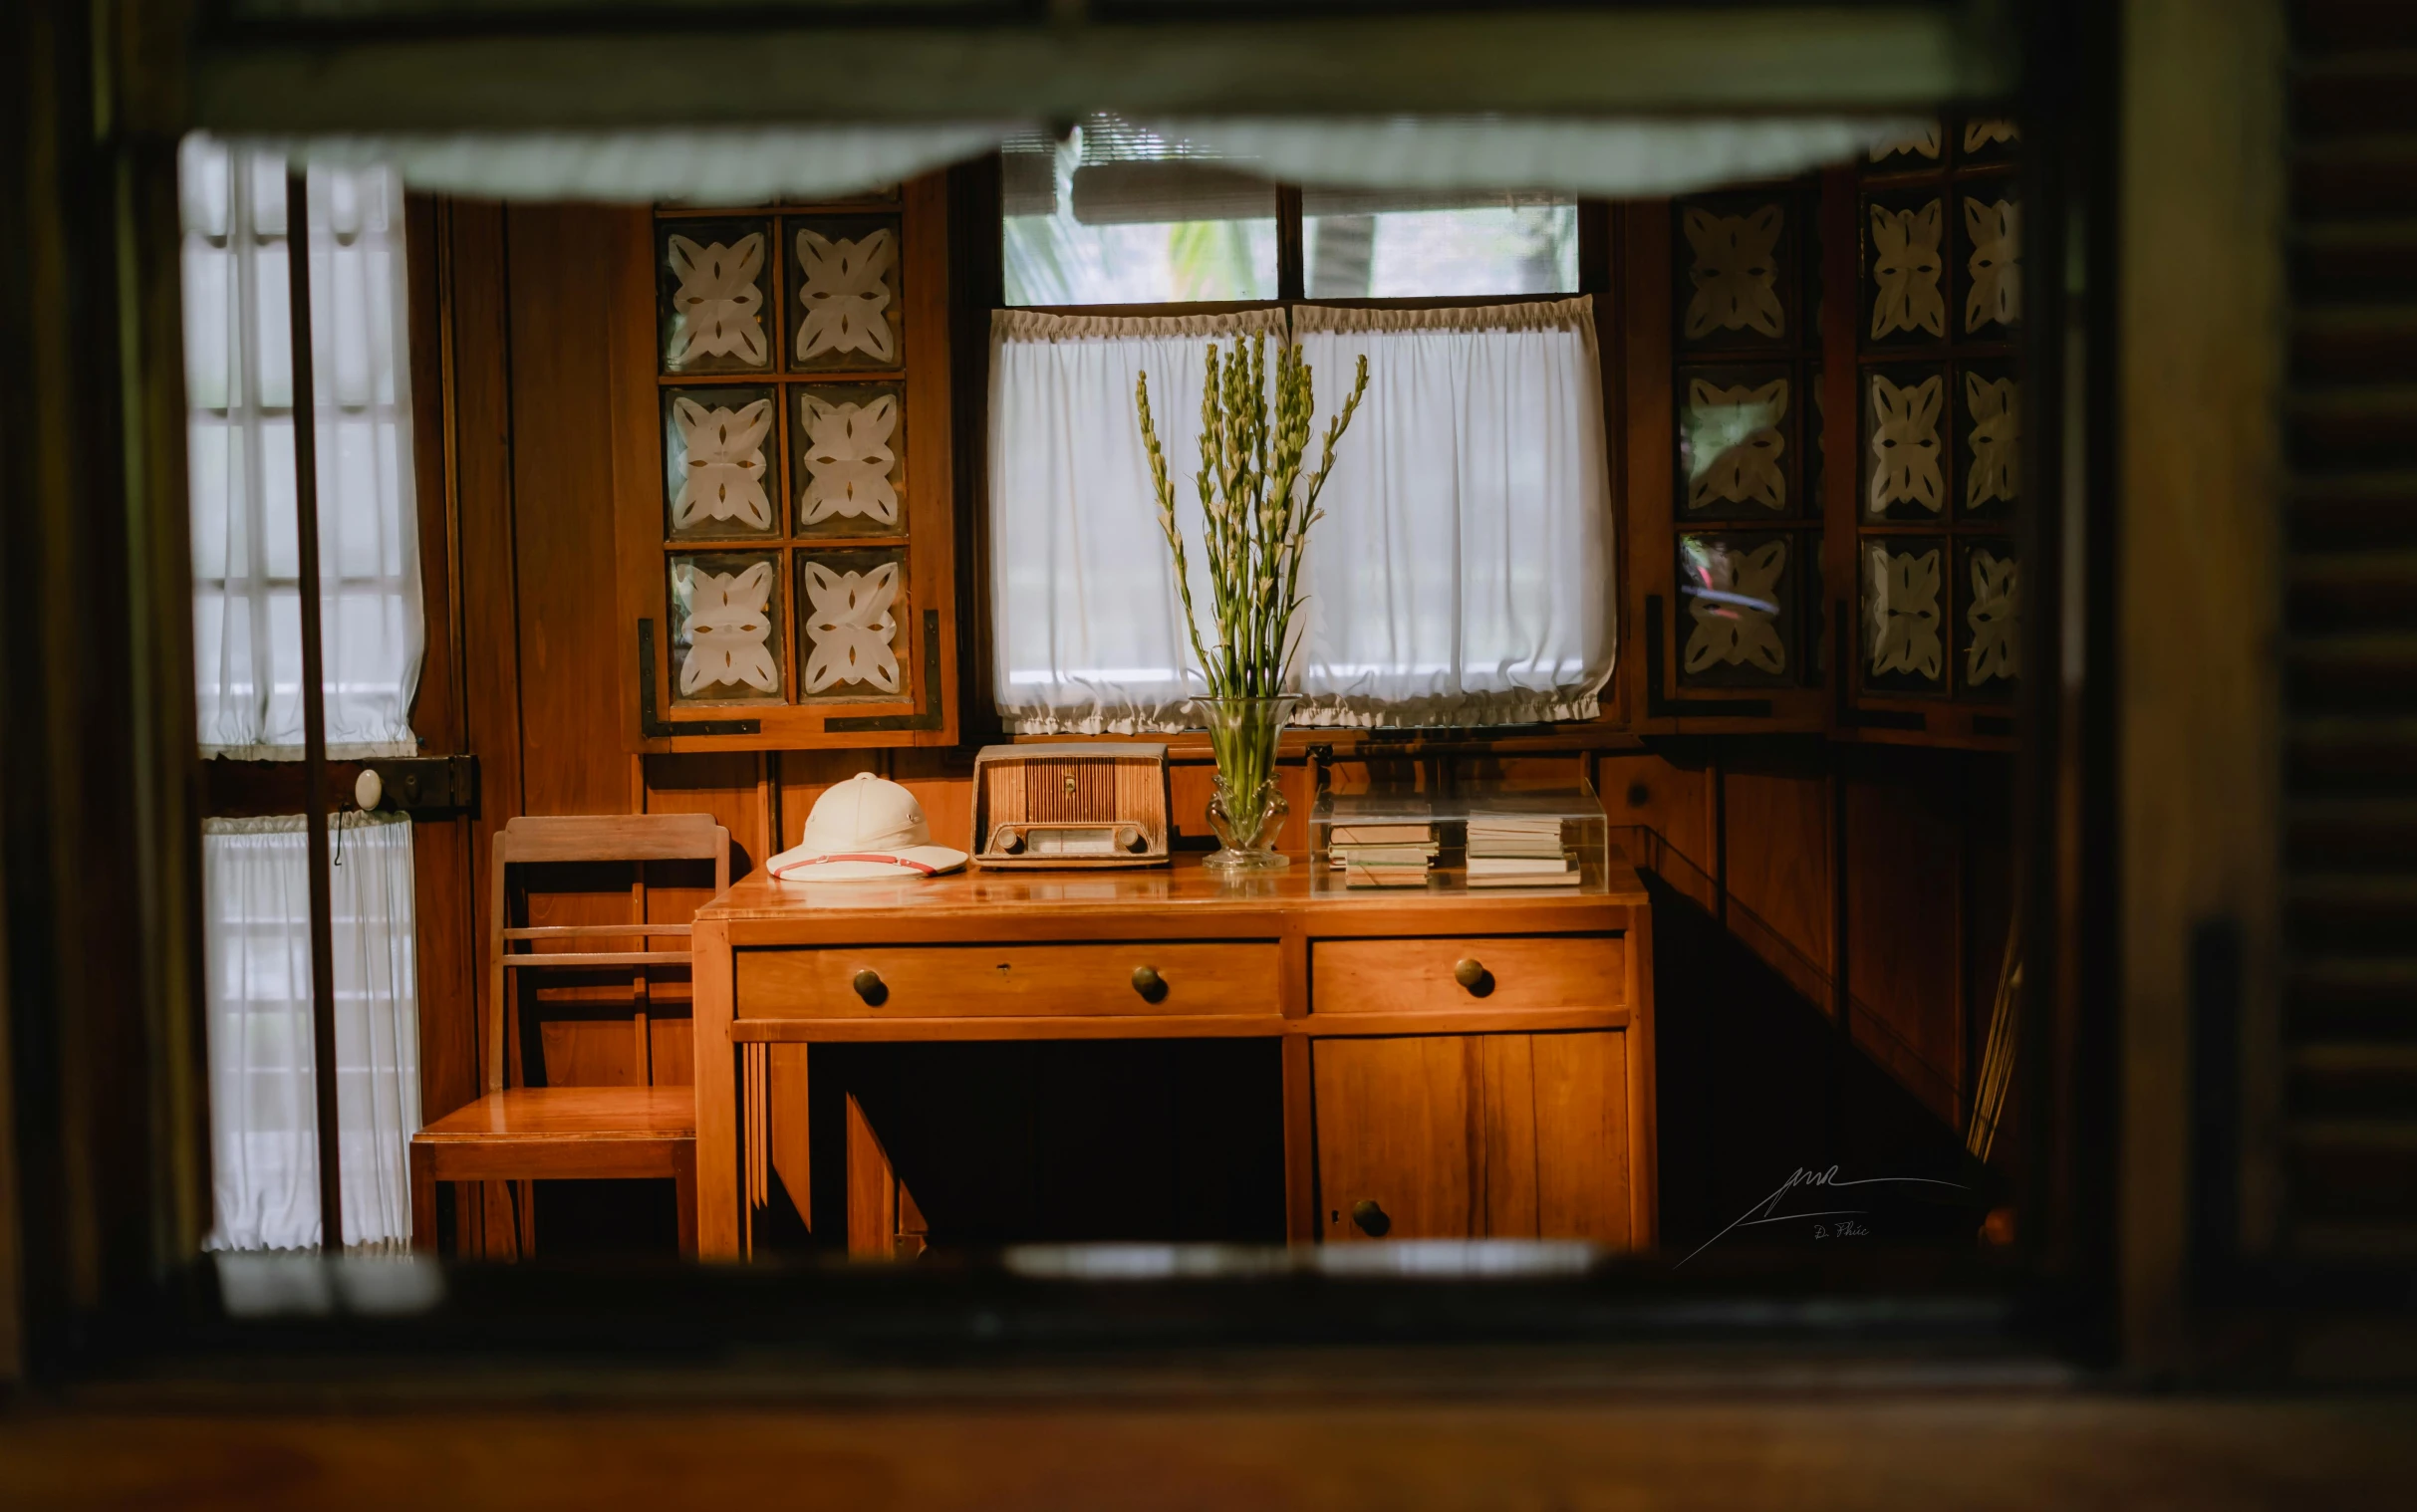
{"x": 1076, "y": 803}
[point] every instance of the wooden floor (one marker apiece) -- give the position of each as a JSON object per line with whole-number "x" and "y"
{"x": 1987, "y": 1450}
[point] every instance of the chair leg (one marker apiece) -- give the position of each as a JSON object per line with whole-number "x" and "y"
{"x": 683, "y": 1193}
{"x": 424, "y": 1199}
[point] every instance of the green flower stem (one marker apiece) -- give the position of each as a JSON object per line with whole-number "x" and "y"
{"x": 1256, "y": 508}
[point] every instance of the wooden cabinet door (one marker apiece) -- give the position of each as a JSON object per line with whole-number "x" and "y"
{"x": 1475, "y": 1136}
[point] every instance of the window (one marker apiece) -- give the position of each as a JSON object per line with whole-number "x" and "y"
{"x": 1116, "y": 215}
{"x": 247, "y": 622}
{"x": 247, "y": 618}
{"x": 785, "y": 560}
{"x": 1373, "y": 243}
{"x": 1461, "y": 575}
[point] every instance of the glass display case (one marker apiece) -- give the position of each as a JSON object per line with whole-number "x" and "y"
{"x": 1474, "y": 837}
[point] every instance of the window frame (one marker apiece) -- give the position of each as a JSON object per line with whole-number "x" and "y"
{"x": 927, "y": 714}
{"x": 1601, "y": 233}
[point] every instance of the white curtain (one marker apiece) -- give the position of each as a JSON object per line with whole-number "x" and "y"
{"x": 239, "y": 391}
{"x": 741, "y": 164}
{"x": 1087, "y": 625}
{"x": 1462, "y": 573}
{"x": 263, "y": 1122}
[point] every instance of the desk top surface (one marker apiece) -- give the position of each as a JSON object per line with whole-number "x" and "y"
{"x": 1185, "y": 884}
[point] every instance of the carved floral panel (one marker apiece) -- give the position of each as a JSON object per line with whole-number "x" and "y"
{"x": 1738, "y": 624}
{"x": 1989, "y": 433}
{"x": 1915, "y": 148}
{"x": 1734, "y": 452}
{"x": 1985, "y": 139}
{"x": 1990, "y": 634}
{"x": 715, "y": 304}
{"x": 844, "y": 310}
{"x": 1989, "y": 241}
{"x": 1732, "y": 262}
{"x": 852, "y": 618}
{"x": 1904, "y": 455}
{"x": 1904, "y": 613}
{"x": 718, "y": 448}
{"x": 848, "y": 445}
{"x": 1905, "y": 268}
{"x": 726, "y": 640}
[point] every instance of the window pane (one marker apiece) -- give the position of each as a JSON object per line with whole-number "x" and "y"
{"x": 1378, "y": 244}
{"x": 1115, "y": 215}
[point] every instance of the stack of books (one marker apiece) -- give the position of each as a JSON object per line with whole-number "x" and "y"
{"x": 1518, "y": 851}
{"x": 1382, "y": 854}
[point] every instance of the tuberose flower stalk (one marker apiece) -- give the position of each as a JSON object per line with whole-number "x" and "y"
{"x": 1256, "y": 507}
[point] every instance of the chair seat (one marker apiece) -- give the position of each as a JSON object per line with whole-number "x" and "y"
{"x": 572, "y": 1115}
{"x": 538, "y": 1133}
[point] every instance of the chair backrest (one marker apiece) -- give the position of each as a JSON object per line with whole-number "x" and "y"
{"x": 590, "y": 837}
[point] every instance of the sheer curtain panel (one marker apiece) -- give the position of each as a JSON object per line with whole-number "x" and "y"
{"x": 247, "y": 617}
{"x": 1461, "y": 575}
{"x": 1086, "y": 623}
{"x": 263, "y": 1135}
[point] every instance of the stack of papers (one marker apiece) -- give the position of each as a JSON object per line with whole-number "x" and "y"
{"x": 1382, "y": 854}
{"x": 1518, "y": 851}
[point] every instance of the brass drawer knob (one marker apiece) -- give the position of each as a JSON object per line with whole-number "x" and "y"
{"x": 1371, "y": 1219}
{"x": 1471, "y": 973}
{"x": 870, "y": 987}
{"x": 1151, "y": 985}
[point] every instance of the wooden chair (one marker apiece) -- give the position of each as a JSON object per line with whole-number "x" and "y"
{"x": 529, "y": 1133}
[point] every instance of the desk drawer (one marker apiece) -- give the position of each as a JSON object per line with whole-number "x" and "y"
{"x": 1519, "y": 972}
{"x": 986, "y": 981}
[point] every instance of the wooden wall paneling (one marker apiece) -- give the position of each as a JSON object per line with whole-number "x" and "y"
{"x": 564, "y": 261}
{"x": 1643, "y": 268}
{"x": 444, "y": 901}
{"x": 633, "y": 512}
{"x": 1188, "y": 786}
{"x": 1777, "y": 854}
{"x": 724, "y": 784}
{"x": 943, "y": 782}
{"x": 976, "y": 286}
{"x": 1602, "y": 227}
{"x": 1989, "y": 903}
{"x": 930, "y": 446}
{"x": 800, "y": 777}
{"x": 732, "y": 786}
{"x": 1903, "y": 895}
{"x": 478, "y": 239}
{"x": 1669, "y": 806}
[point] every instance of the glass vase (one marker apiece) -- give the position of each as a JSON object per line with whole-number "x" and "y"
{"x": 1247, "y": 809}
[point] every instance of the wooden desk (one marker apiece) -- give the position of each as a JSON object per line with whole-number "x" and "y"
{"x": 1523, "y": 1104}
